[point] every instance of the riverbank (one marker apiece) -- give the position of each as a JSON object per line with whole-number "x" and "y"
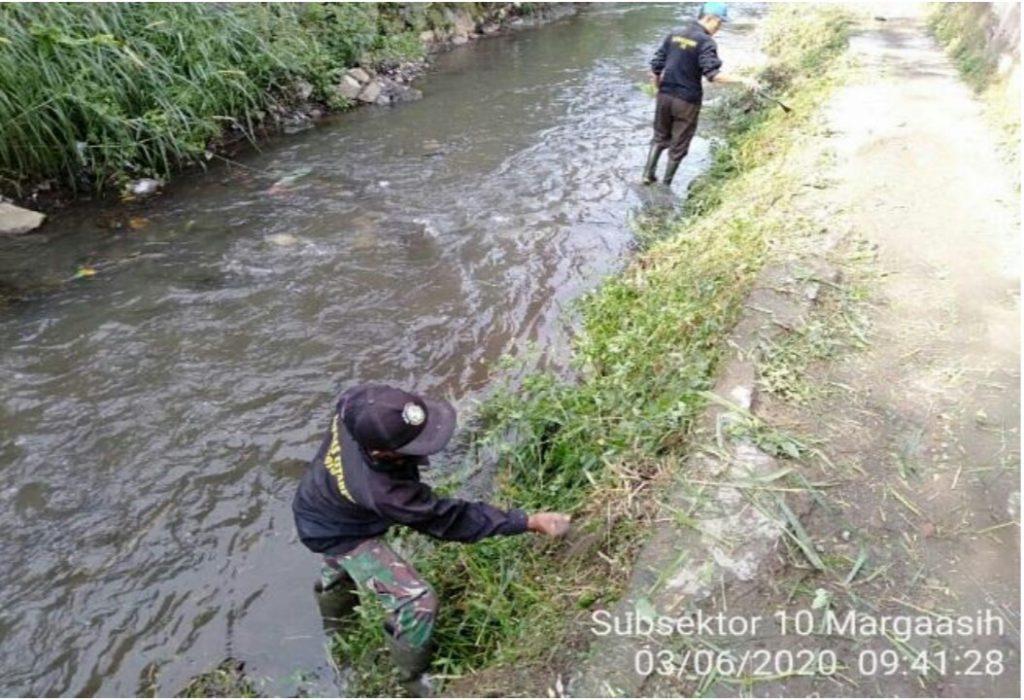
{"x": 103, "y": 98}
{"x": 601, "y": 446}
{"x": 194, "y": 369}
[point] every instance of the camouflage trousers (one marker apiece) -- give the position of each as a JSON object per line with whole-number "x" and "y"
{"x": 409, "y": 601}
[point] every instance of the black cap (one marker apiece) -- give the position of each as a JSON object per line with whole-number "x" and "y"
{"x": 380, "y": 417}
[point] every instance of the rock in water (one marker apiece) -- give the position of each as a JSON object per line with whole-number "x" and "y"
{"x": 284, "y": 240}
{"x": 15, "y": 220}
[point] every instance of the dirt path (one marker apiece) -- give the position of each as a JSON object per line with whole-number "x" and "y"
{"x": 906, "y": 492}
{"x": 932, "y": 419}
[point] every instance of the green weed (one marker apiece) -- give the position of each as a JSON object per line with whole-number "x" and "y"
{"x": 964, "y": 30}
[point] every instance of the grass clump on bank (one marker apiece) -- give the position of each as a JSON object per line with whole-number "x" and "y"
{"x": 988, "y": 61}
{"x": 94, "y": 93}
{"x": 595, "y": 447}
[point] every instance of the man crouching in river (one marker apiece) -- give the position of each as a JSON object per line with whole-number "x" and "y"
{"x": 366, "y": 478}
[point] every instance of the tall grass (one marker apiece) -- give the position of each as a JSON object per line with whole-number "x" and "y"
{"x": 965, "y": 30}
{"x": 648, "y": 349}
{"x": 94, "y": 93}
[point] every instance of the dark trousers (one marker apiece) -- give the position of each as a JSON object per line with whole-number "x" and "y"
{"x": 675, "y": 123}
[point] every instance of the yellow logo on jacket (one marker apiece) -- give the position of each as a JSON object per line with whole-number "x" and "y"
{"x": 333, "y": 460}
{"x": 684, "y": 42}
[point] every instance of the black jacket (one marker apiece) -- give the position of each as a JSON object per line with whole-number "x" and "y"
{"x": 345, "y": 498}
{"x": 681, "y": 60}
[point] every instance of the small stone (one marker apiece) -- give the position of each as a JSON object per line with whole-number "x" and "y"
{"x": 370, "y": 93}
{"x": 490, "y": 28}
{"x": 845, "y": 535}
{"x": 349, "y": 88}
{"x": 428, "y": 37}
{"x": 15, "y": 220}
{"x": 303, "y": 90}
{"x": 359, "y": 75}
{"x": 464, "y": 24}
{"x": 460, "y": 39}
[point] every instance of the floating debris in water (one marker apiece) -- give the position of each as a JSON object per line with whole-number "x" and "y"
{"x": 144, "y": 187}
{"x": 284, "y": 183}
{"x": 84, "y": 271}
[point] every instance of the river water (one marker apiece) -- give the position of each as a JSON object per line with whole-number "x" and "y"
{"x": 155, "y": 418}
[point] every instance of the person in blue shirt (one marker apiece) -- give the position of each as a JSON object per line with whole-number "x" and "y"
{"x": 686, "y": 57}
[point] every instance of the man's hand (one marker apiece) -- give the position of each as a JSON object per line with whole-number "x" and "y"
{"x": 655, "y": 79}
{"x": 552, "y": 524}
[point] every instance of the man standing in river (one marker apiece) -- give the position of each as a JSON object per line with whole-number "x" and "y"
{"x": 364, "y": 479}
{"x": 683, "y": 58}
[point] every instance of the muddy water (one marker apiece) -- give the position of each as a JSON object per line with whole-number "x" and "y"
{"x": 154, "y": 419}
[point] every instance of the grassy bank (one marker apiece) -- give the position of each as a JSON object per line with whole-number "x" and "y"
{"x": 648, "y": 348}
{"x": 988, "y": 67}
{"x": 93, "y": 94}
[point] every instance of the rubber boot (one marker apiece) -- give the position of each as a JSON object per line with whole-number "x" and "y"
{"x": 650, "y": 170}
{"x": 336, "y": 603}
{"x": 411, "y": 663}
{"x": 670, "y": 170}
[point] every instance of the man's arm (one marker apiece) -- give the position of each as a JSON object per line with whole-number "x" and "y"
{"x": 658, "y": 62}
{"x": 730, "y": 79}
{"x": 711, "y": 68}
{"x": 413, "y": 503}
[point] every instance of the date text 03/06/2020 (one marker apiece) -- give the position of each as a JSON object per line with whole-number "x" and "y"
{"x": 984, "y": 623}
